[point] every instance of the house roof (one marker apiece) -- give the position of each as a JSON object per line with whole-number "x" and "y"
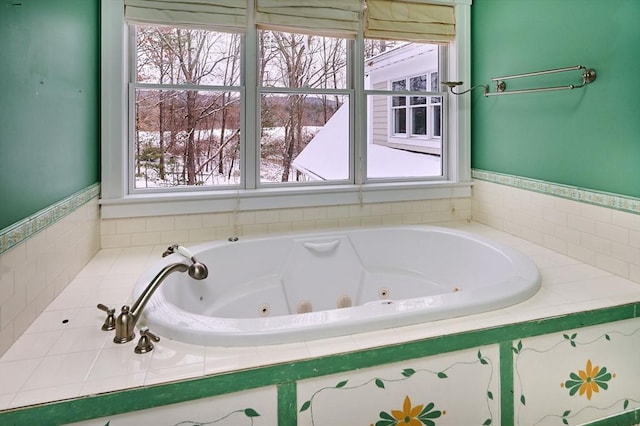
{"x": 326, "y": 156}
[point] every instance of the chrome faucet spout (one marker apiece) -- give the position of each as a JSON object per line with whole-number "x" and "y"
{"x": 129, "y": 316}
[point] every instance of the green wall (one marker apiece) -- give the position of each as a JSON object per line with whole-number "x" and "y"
{"x": 587, "y": 137}
{"x": 49, "y": 103}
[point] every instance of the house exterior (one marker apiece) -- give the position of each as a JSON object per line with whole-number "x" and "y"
{"x": 400, "y": 129}
{"x": 410, "y": 123}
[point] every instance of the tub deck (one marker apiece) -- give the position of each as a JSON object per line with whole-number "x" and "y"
{"x": 64, "y": 354}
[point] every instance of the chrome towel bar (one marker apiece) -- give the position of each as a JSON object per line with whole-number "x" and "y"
{"x": 588, "y": 76}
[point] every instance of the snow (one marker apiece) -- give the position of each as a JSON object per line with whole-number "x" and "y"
{"x": 326, "y": 156}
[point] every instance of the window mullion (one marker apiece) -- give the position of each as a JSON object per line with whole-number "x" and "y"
{"x": 358, "y": 146}
{"x": 250, "y": 140}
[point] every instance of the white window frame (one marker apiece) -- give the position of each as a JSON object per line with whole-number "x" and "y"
{"x": 408, "y": 136}
{"x": 117, "y": 201}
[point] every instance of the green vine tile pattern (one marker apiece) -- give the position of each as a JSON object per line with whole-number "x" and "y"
{"x": 420, "y": 415}
{"x": 585, "y": 382}
{"x": 588, "y": 381}
{"x": 249, "y": 413}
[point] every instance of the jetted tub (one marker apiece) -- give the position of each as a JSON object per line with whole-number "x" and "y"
{"x": 292, "y": 288}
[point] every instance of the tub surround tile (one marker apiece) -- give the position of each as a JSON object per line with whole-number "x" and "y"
{"x": 33, "y": 345}
{"x": 102, "y": 366}
{"x": 190, "y": 229}
{"x": 170, "y": 374}
{"x": 63, "y": 369}
{"x": 35, "y": 396}
{"x": 169, "y": 353}
{"x": 79, "y": 340}
{"x": 594, "y": 228}
{"x": 221, "y": 359}
{"x": 333, "y": 345}
{"x": 41, "y": 255}
{"x": 15, "y": 374}
{"x": 108, "y": 384}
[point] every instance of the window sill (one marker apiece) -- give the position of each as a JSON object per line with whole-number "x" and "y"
{"x": 144, "y": 205}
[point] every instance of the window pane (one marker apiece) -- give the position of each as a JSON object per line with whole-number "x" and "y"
{"x": 299, "y": 60}
{"x": 166, "y": 55}
{"x": 399, "y": 101}
{"x": 419, "y": 121}
{"x": 399, "y": 85}
{"x": 437, "y": 121}
{"x": 391, "y": 154}
{"x": 304, "y": 137}
{"x": 400, "y": 121}
{"x": 186, "y": 137}
{"x": 435, "y": 87}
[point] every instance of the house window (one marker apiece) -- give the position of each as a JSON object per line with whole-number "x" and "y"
{"x": 302, "y": 84}
{"x": 186, "y": 99}
{"x": 200, "y": 117}
{"x": 421, "y": 115}
{"x": 405, "y": 129}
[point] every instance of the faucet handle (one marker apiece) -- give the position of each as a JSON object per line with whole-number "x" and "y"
{"x": 110, "y": 321}
{"x": 144, "y": 344}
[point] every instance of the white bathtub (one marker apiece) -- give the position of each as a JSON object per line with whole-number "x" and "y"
{"x": 344, "y": 282}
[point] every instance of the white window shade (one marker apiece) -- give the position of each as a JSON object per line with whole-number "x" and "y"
{"x": 336, "y": 18}
{"x": 228, "y": 15}
{"x": 410, "y": 21}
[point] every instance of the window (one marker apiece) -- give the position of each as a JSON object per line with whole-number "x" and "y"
{"x": 302, "y": 83}
{"x": 186, "y": 100}
{"x": 215, "y": 114}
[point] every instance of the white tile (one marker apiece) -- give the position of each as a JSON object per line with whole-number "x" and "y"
{"x": 597, "y": 288}
{"x": 169, "y": 353}
{"x": 119, "y": 360}
{"x": 335, "y": 345}
{"x": 612, "y": 232}
{"x": 52, "y": 321}
{"x": 5, "y": 400}
{"x": 169, "y": 374}
{"x": 130, "y": 225}
{"x": 275, "y": 354}
{"x": 80, "y": 340}
{"x": 15, "y": 374}
{"x": 570, "y": 273}
{"x": 32, "y": 346}
{"x": 220, "y": 359}
{"x": 54, "y": 393}
{"x": 613, "y": 265}
{"x": 62, "y": 369}
{"x": 110, "y": 384}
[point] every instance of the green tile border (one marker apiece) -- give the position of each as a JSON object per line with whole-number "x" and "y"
{"x": 602, "y": 199}
{"x": 507, "y": 414}
{"x": 21, "y": 231}
{"x": 284, "y": 376}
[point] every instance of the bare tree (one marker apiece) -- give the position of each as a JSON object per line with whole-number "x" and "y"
{"x": 190, "y": 57}
{"x": 299, "y": 61}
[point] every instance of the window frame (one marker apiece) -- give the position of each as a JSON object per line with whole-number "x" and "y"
{"x": 408, "y": 135}
{"x": 117, "y": 200}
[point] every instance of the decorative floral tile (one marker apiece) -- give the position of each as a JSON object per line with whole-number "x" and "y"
{"x": 577, "y": 376}
{"x": 451, "y": 389}
{"x": 249, "y": 408}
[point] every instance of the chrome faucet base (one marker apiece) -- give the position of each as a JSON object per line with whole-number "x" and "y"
{"x": 123, "y": 339}
{"x": 145, "y": 343}
{"x": 125, "y": 323}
